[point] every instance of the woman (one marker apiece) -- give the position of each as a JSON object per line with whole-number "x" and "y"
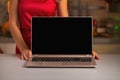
{"x": 20, "y": 15}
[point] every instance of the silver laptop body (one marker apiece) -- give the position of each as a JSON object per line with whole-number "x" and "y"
{"x": 61, "y": 42}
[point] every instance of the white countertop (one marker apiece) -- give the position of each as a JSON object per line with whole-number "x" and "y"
{"x": 12, "y": 68}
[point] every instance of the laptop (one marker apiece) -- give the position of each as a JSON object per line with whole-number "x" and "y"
{"x": 61, "y": 42}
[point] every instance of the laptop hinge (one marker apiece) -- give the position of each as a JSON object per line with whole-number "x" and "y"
{"x": 88, "y": 55}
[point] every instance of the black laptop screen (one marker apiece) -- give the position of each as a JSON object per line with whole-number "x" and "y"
{"x": 61, "y": 35}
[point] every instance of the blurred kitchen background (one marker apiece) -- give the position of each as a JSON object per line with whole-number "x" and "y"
{"x": 106, "y": 23}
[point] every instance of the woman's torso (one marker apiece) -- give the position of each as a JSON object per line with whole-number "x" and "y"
{"x": 29, "y": 8}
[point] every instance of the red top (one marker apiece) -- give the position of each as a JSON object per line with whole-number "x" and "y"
{"x": 29, "y": 8}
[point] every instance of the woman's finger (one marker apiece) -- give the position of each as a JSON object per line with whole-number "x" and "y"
{"x": 97, "y": 56}
{"x": 30, "y": 54}
{"x": 93, "y": 54}
{"x": 22, "y": 57}
{"x": 25, "y": 56}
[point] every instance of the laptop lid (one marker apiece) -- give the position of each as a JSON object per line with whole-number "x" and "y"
{"x": 62, "y": 35}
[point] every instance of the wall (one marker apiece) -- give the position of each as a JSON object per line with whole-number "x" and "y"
{"x": 96, "y": 13}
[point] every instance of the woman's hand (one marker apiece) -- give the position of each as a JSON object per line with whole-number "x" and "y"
{"x": 95, "y": 55}
{"x": 26, "y": 54}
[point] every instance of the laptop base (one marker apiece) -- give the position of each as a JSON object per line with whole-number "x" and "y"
{"x": 61, "y": 64}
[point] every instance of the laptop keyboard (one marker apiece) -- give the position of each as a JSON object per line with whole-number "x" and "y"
{"x": 62, "y": 59}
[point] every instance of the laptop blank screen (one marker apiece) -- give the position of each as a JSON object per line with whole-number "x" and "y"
{"x": 61, "y": 35}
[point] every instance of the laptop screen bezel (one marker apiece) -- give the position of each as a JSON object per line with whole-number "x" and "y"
{"x": 65, "y": 17}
